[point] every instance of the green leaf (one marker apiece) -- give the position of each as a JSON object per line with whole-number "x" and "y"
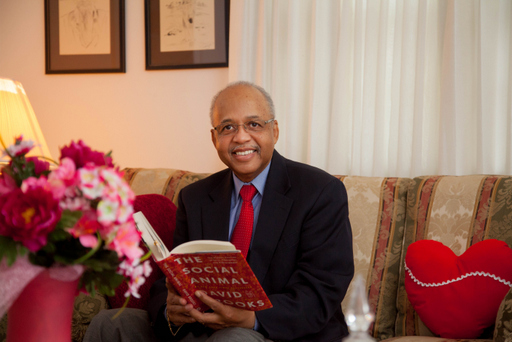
{"x": 69, "y": 219}
{"x": 21, "y": 169}
{"x": 104, "y": 281}
{"x": 11, "y": 249}
{"x": 49, "y": 248}
{"x": 59, "y": 235}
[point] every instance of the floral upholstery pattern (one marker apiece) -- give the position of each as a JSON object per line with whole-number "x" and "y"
{"x": 377, "y": 215}
{"x": 503, "y": 326}
{"x": 84, "y": 309}
{"x": 457, "y": 211}
{"x": 167, "y": 182}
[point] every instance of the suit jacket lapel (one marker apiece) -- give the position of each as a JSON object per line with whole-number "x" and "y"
{"x": 215, "y": 215}
{"x": 274, "y": 211}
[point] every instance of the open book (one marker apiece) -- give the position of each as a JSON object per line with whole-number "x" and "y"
{"x": 215, "y": 267}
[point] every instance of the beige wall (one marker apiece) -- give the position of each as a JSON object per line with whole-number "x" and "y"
{"x": 147, "y": 118}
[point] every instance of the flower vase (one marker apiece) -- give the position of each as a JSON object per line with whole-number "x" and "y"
{"x": 43, "y": 311}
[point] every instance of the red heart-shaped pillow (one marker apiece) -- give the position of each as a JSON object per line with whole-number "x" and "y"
{"x": 458, "y": 297}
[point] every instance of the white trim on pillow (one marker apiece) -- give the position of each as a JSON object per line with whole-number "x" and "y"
{"x": 471, "y": 274}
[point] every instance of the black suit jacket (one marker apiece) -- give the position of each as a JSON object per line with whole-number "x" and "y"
{"x": 301, "y": 251}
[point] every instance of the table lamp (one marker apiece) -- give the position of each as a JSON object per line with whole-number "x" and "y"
{"x": 17, "y": 118}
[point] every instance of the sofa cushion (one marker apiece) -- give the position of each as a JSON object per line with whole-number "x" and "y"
{"x": 166, "y": 182}
{"x": 458, "y": 211}
{"x": 84, "y": 309}
{"x": 467, "y": 290}
{"x": 377, "y": 216}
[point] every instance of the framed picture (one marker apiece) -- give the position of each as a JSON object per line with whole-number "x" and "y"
{"x": 182, "y": 34}
{"x": 84, "y": 36}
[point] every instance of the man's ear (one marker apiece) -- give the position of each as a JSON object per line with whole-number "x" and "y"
{"x": 214, "y": 137}
{"x": 275, "y": 131}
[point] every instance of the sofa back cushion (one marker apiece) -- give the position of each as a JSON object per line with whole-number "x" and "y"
{"x": 377, "y": 216}
{"x": 167, "y": 182}
{"x": 458, "y": 211}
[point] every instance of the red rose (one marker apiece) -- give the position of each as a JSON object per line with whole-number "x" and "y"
{"x": 29, "y": 217}
{"x": 82, "y": 154}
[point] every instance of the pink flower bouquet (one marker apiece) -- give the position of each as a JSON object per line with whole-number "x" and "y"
{"x": 76, "y": 214}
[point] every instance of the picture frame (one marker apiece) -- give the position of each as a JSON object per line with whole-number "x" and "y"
{"x": 186, "y": 34}
{"x": 85, "y": 36}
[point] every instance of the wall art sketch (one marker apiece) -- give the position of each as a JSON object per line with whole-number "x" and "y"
{"x": 84, "y": 36}
{"x": 84, "y": 27}
{"x": 186, "y": 33}
{"x": 187, "y": 25}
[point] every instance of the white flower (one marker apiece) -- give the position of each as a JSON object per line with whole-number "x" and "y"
{"x": 19, "y": 148}
{"x": 107, "y": 211}
{"x": 137, "y": 273}
{"x": 110, "y": 176}
{"x": 90, "y": 183}
{"x": 124, "y": 213}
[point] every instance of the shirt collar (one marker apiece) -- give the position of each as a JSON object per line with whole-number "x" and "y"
{"x": 258, "y": 182}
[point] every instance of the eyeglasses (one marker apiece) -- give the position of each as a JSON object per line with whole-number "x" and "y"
{"x": 252, "y": 126}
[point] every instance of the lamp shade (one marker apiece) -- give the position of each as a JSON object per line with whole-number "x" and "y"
{"x": 17, "y": 118}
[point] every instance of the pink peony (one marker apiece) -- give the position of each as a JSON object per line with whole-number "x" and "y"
{"x": 40, "y": 166}
{"x": 56, "y": 187}
{"x": 33, "y": 182}
{"x": 29, "y": 216}
{"x": 66, "y": 172}
{"x": 82, "y": 155}
{"x": 7, "y": 183}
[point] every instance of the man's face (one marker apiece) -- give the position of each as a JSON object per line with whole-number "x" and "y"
{"x": 247, "y": 154}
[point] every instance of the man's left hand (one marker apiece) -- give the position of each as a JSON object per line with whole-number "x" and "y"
{"x": 223, "y": 316}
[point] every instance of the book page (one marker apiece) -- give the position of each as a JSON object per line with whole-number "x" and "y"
{"x": 199, "y": 246}
{"x": 150, "y": 237}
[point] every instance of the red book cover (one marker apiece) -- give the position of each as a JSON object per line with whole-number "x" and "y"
{"x": 215, "y": 267}
{"x": 225, "y": 277}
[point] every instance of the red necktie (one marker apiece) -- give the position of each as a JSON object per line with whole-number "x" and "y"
{"x": 242, "y": 234}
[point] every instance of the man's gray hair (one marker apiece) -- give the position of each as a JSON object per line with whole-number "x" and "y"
{"x": 265, "y": 94}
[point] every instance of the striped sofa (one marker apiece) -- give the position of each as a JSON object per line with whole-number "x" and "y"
{"x": 387, "y": 215}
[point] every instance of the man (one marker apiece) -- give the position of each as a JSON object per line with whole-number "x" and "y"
{"x": 301, "y": 245}
{"x": 301, "y": 249}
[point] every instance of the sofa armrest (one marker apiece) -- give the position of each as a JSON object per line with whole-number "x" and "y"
{"x": 85, "y": 308}
{"x": 503, "y": 325}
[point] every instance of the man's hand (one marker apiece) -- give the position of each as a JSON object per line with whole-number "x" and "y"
{"x": 178, "y": 310}
{"x": 223, "y": 316}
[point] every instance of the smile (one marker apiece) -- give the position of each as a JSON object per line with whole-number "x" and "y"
{"x": 244, "y": 153}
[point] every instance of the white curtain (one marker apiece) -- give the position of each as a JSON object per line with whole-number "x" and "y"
{"x": 383, "y": 87}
